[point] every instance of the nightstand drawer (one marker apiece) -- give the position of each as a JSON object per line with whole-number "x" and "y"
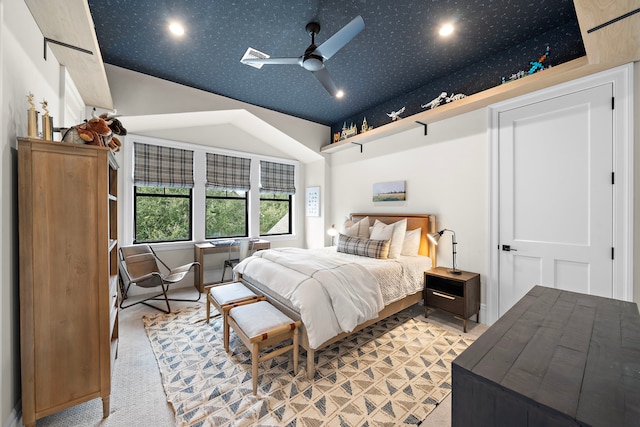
{"x": 438, "y": 299}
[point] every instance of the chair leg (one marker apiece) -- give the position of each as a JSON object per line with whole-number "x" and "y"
{"x": 208, "y": 309}
{"x": 166, "y": 299}
{"x": 153, "y": 298}
{"x": 186, "y": 300}
{"x": 224, "y": 271}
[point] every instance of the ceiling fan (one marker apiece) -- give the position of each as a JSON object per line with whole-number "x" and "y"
{"x": 314, "y": 56}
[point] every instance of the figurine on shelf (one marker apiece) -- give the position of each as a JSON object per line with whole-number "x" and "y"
{"x": 435, "y": 102}
{"x": 395, "y": 115}
{"x": 537, "y": 65}
{"x": 455, "y": 97}
{"x": 47, "y": 122}
{"x": 365, "y": 126}
{"x": 116, "y": 127}
{"x": 348, "y": 131}
{"x": 32, "y": 118}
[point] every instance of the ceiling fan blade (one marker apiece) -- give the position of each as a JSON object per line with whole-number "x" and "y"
{"x": 323, "y": 76}
{"x": 341, "y": 38}
{"x": 272, "y": 61}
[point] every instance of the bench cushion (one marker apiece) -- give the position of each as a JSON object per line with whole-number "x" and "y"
{"x": 229, "y": 293}
{"x": 259, "y": 318}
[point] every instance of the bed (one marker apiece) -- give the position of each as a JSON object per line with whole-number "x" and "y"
{"x": 400, "y": 283}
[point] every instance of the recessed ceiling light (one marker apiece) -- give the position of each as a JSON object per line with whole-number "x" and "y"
{"x": 176, "y": 28}
{"x": 339, "y": 94}
{"x": 446, "y": 30}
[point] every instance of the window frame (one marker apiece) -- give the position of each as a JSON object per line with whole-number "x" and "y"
{"x": 172, "y": 196}
{"x": 290, "y": 203}
{"x": 246, "y": 212}
{"x": 126, "y": 207}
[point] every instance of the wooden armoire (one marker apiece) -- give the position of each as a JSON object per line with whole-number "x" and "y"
{"x": 67, "y": 219}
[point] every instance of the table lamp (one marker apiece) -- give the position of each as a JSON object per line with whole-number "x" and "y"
{"x": 434, "y": 237}
{"x": 332, "y": 232}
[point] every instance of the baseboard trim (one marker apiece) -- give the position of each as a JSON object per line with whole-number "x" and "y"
{"x": 15, "y": 418}
{"x": 483, "y": 314}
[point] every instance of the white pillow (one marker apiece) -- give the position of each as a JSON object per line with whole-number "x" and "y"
{"x": 394, "y": 232}
{"x": 411, "y": 244}
{"x": 357, "y": 229}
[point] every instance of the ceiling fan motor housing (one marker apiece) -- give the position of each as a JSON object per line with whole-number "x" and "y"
{"x": 312, "y": 62}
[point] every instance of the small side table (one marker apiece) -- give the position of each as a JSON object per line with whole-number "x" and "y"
{"x": 458, "y": 294}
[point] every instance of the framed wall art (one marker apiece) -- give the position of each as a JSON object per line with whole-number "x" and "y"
{"x": 313, "y": 201}
{"x": 393, "y": 191}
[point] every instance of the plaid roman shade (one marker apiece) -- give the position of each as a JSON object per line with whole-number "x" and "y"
{"x": 156, "y": 166}
{"x": 363, "y": 247}
{"x": 277, "y": 178}
{"x": 228, "y": 173}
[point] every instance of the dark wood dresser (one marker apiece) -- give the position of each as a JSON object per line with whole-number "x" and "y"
{"x": 557, "y": 358}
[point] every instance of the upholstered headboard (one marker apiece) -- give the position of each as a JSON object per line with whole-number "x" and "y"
{"x": 424, "y": 221}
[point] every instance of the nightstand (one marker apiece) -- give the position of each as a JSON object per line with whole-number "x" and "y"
{"x": 458, "y": 294}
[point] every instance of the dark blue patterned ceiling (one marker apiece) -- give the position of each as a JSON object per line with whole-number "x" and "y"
{"x": 397, "y": 59}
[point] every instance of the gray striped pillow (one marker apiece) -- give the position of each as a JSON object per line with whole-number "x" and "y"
{"x": 363, "y": 247}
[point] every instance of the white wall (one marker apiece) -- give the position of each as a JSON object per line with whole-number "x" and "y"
{"x": 23, "y": 70}
{"x": 446, "y": 174}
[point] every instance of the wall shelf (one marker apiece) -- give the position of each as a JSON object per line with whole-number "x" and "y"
{"x": 571, "y": 70}
{"x": 69, "y": 22}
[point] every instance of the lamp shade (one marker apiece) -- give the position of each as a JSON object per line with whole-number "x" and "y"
{"x": 434, "y": 237}
{"x": 332, "y": 232}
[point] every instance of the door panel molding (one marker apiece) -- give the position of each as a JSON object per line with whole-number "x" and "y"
{"x": 622, "y": 79}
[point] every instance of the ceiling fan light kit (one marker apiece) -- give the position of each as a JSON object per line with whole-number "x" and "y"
{"x": 314, "y": 56}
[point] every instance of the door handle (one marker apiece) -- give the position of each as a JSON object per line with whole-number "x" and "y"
{"x": 443, "y": 295}
{"x": 508, "y": 248}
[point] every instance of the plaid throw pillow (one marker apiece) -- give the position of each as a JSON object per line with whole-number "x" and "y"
{"x": 363, "y": 247}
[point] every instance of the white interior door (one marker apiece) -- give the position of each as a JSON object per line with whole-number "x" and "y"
{"x": 556, "y": 195}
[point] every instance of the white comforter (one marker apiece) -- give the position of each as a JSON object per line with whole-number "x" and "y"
{"x": 332, "y": 295}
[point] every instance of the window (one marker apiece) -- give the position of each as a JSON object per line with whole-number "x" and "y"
{"x": 275, "y": 214}
{"x": 181, "y": 193}
{"x": 228, "y": 183}
{"x": 162, "y": 214}
{"x": 226, "y": 214}
{"x": 163, "y": 182}
{"x": 277, "y": 185}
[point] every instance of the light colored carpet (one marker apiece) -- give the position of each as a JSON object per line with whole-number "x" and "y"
{"x": 392, "y": 373}
{"x": 138, "y": 396}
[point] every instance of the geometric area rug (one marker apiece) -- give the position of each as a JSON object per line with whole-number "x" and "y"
{"x": 392, "y": 373}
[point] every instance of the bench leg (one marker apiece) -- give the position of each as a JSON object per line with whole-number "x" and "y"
{"x": 225, "y": 333}
{"x": 254, "y": 366}
{"x": 295, "y": 351}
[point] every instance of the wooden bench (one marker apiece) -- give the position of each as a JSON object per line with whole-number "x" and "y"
{"x": 261, "y": 325}
{"x": 226, "y": 296}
